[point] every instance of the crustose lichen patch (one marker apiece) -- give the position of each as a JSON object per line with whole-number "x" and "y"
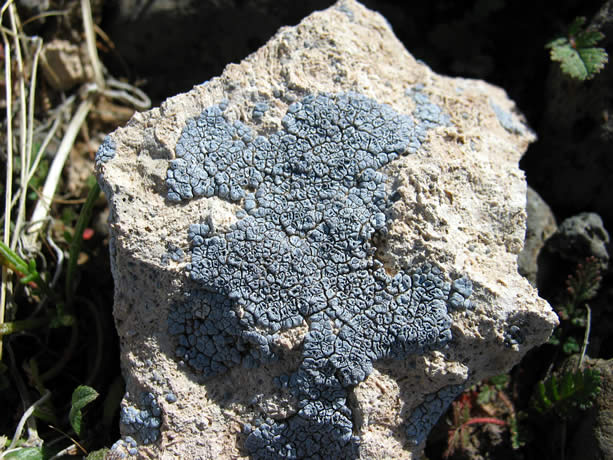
{"x": 312, "y": 195}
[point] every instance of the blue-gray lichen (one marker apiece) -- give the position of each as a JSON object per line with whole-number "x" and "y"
{"x": 312, "y": 198}
{"x": 174, "y": 253}
{"x": 506, "y": 120}
{"x": 124, "y": 448}
{"x": 424, "y": 416}
{"x": 259, "y": 110}
{"x": 143, "y": 422}
{"x": 106, "y": 151}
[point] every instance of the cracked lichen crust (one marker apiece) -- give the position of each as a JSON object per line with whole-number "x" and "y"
{"x": 312, "y": 197}
{"x": 425, "y": 416}
{"x": 106, "y": 151}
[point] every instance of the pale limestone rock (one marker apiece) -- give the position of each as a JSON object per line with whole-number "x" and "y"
{"x": 458, "y": 203}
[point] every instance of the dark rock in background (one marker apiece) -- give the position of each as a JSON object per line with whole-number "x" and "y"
{"x": 576, "y": 239}
{"x": 540, "y": 225}
{"x": 579, "y": 237}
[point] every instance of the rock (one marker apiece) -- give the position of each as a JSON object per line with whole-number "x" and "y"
{"x": 540, "y": 225}
{"x": 579, "y": 237}
{"x": 65, "y": 64}
{"x": 576, "y": 239}
{"x": 316, "y": 251}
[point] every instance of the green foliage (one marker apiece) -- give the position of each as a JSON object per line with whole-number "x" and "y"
{"x": 25, "y": 270}
{"x": 576, "y": 53}
{"x": 81, "y": 397}
{"x": 25, "y": 453}
{"x": 488, "y": 391}
{"x": 581, "y": 286}
{"x": 519, "y": 437}
{"x": 28, "y": 274}
{"x": 571, "y": 346}
{"x": 566, "y": 393}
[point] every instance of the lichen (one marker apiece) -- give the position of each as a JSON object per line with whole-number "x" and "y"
{"x": 106, "y": 151}
{"x": 143, "y": 421}
{"x": 424, "y": 416}
{"x": 124, "y": 448}
{"x": 259, "y": 110}
{"x": 312, "y": 197}
{"x": 506, "y": 120}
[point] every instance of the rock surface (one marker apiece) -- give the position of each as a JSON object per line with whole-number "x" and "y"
{"x": 315, "y": 252}
{"x": 581, "y": 236}
{"x": 540, "y": 225}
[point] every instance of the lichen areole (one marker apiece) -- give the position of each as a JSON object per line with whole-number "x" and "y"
{"x": 312, "y": 197}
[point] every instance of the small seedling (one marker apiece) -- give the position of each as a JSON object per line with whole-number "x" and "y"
{"x": 576, "y": 53}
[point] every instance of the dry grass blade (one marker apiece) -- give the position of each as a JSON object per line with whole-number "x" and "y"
{"x": 9, "y": 159}
{"x": 90, "y": 38}
{"x": 41, "y": 211}
{"x": 24, "y": 418}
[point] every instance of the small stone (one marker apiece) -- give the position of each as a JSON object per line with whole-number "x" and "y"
{"x": 64, "y": 64}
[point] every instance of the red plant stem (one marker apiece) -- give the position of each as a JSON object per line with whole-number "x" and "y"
{"x": 475, "y": 420}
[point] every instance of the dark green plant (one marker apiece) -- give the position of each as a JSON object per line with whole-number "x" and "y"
{"x": 581, "y": 286}
{"x": 576, "y": 53}
{"x": 566, "y": 393}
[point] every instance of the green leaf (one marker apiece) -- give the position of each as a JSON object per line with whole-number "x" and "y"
{"x": 576, "y": 53}
{"x": 571, "y": 390}
{"x": 588, "y": 38}
{"x": 81, "y": 397}
{"x": 25, "y": 453}
{"x": 594, "y": 59}
{"x": 500, "y": 381}
{"x": 570, "y": 61}
{"x": 485, "y": 395}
